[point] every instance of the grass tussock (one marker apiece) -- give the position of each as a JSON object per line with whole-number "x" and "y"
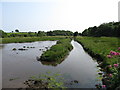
{"x": 58, "y": 51}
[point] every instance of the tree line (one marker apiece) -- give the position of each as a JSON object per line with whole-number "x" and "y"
{"x": 111, "y": 29}
{"x": 17, "y": 33}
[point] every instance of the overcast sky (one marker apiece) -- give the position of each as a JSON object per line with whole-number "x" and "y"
{"x": 44, "y": 15}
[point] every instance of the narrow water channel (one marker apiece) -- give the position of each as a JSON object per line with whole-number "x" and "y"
{"x": 20, "y": 65}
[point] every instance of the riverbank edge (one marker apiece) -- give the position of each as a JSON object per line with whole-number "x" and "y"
{"x": 67, "y": 47}
{"x": 91, "y": 53}
{"x": 99, "y": 59}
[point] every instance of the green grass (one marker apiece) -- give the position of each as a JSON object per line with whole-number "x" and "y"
{"x": 30, "y": 39}
{"x": 100, "y": 47}
{"x": 21, "y": 34}
{"x": 58, "y": 51}
{"x": 0, "y": 40}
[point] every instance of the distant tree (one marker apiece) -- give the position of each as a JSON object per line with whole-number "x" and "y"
{"x": 111, "y": 29}
{"x": 59, "y": 33}
{"x": 80, "y": 34}
{"x": 35, "y": 33}
{"x": 49, "y": 33}
{"x": 16, "y": 30}
{"x": 75, "y": 34}
{"x": 41, "y": 33}
{"x": 2, "y": 34}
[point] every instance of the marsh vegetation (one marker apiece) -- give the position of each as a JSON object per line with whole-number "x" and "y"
{"x": 24, "y": 64}
{"x": 107, "y": 51}
{"x": 31, "y": 53}
{"x": 57, "y": 52}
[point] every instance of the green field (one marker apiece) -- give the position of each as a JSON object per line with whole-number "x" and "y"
{"x": 100, "y": 47}
{"x": 30, "y": 39}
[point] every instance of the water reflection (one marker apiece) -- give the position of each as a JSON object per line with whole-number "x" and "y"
{"x": 54, "y": 64}
{"x": 51, "y": 63}
{"x": 22, "y": 64}
{"x": 2, "y": 46}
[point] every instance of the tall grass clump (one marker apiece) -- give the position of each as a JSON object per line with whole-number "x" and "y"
{"x": 58, "y": 51}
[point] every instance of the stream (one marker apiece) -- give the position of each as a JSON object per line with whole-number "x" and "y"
{"x": 19, "y": 65}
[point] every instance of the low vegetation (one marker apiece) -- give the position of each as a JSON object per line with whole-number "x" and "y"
{"x": 48, "y": 80}
{"x": 58, "y": 51}
{"x": 103, "y": 48}
{"x": 30, "y": 39}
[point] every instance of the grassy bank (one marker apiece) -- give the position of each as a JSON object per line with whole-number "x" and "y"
{"x": 30, "y": 39}
{"x": 58, "y": 51}
{"x": 100, "y": 48}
